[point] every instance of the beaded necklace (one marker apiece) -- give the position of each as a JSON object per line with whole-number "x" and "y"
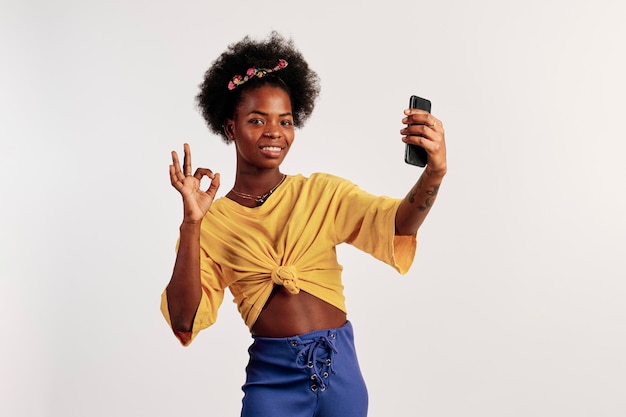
{"x": 259, "y": 199}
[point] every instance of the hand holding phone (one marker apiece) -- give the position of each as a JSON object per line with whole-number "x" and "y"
{"x": 414, "y": 154}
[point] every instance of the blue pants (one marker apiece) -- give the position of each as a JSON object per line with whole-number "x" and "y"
{"x": 311, "y": 375}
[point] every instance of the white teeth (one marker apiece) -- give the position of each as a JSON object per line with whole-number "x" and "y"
{"x": 272, "y": 149}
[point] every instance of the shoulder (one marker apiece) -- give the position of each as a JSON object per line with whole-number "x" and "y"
{"x": 316, "y": 180}
{"x": 322, "y": 187}
{"x": 219, "y": 205}
{"x": 323, "y": 179}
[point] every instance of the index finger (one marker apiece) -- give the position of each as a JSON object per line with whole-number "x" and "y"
{"x": 415, "y": 116}
{"x": 409, "y": 112}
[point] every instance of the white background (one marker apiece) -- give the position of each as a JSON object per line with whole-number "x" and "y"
{"x": 515, "y": 303}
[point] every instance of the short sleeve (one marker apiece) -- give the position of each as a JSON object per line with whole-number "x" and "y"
{"x": 367, "y": 222}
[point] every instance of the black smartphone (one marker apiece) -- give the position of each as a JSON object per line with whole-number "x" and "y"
{"x": 414, "y": 154}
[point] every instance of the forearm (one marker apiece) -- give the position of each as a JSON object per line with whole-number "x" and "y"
{"x": 184, "y": 290}
{"x": 417, "y": 204}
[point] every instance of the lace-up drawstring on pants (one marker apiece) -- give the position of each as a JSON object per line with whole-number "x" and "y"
{"x": 317, "y": 356}
{"x": 314, "y": 374}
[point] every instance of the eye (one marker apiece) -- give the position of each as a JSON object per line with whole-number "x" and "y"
{"x": 287, "y": 123}
{"x": 256, "y": 121}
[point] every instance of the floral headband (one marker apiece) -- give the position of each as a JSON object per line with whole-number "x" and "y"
{"x": 255, "y": 72}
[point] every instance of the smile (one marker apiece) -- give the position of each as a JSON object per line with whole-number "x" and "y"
{"x": 272, "y": 148}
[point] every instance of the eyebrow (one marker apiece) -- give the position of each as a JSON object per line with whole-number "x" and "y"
{"x": 266, "y": 114}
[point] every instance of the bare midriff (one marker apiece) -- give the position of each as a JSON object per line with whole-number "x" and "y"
{"x": 286, "y": 315}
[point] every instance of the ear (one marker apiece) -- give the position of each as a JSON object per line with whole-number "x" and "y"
{"x": 229, "y": 129}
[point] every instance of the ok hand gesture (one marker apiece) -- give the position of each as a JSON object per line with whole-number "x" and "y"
{"x": 196, "y": 203}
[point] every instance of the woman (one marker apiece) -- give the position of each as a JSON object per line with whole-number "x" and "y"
{"x": 271, "y": 239}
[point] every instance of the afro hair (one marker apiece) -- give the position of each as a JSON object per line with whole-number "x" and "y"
{"x": 217, "y": 102}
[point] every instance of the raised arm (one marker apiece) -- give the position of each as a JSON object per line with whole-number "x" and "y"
{"x": 184, "y": 290}
{"x": 426, "y": 131}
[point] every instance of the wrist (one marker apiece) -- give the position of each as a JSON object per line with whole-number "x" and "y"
{"x": 436, "y": 173}
{"x": 190, "y": 225}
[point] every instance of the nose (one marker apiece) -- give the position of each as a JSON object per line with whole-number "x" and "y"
{"x": 271, "y": 133}
{"x": 273, "y": 128}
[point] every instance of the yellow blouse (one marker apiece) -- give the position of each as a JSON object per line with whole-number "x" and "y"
{"x": 290, "y": 240}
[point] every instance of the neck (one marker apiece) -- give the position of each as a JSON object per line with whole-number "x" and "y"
{"x": 257, "y": 182}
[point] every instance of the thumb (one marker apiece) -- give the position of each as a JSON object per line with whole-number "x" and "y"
{"x": 215, "y": 184}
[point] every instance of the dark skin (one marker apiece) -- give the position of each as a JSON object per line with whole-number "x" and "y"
{"x": 262, "y": 130}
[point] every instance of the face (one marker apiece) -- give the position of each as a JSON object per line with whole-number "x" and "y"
{"x": 262, "y": 128}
